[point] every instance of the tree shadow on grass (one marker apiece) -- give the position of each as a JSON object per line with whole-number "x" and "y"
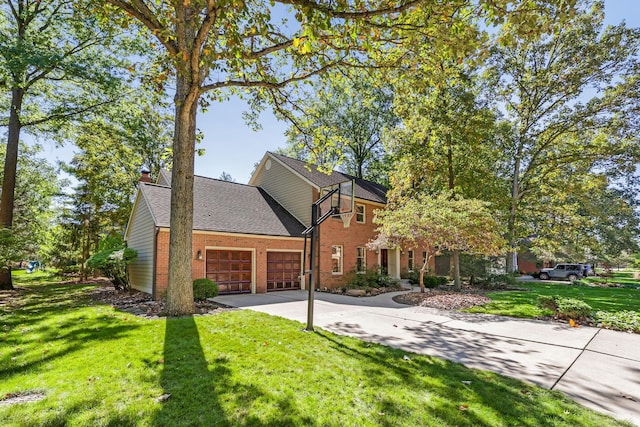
{"x": 206, "y": 392}
{"x": 452, "y": 392}
{"x": 193, "y": 385}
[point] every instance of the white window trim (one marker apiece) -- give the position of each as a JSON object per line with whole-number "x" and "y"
{"x": 364, "y": 260}
{"x": 364, "y": 214}
{"x": 411, "y": 256}
{"x": 341, "y": 258}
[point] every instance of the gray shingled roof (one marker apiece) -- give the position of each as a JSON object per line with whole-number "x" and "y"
{"x": 365, "y": 190}
{"x": 226, "y": 207}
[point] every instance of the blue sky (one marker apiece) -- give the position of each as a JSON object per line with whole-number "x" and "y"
{"x": 231, "y": 146}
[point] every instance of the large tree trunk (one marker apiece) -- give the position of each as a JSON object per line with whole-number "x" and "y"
{"x": 180, "y": 289}
{"x": 10, "y": 172}
{"x": 455, "y": 257}
{"x": 511, "y": 222}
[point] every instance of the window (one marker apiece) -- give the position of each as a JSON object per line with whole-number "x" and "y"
{"x": 424, "y": 258}
{"x": 336, "y": 259}
{"x": 360, "y": 214}
{"x": 410, "y": 260}
{"x": 361, "y": 260}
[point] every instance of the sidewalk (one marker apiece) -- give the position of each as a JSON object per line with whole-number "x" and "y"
{"x": 598, "y": 368}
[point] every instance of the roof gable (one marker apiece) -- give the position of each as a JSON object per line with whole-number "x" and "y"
{"x": 366, "y": 190}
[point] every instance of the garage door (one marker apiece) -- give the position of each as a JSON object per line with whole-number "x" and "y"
{"x": 283, "y": 271}
{"x": 231, "y": 270}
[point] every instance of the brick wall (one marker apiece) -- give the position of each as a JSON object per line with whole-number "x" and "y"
{"x": 203, "y": 241}
{"x": 332, "y": 232}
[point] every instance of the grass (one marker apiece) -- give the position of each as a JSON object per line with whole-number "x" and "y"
{"x": 100, "y": 367}
{"x": 525, "y": 303}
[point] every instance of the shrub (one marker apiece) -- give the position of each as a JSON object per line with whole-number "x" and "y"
{"x": 571, "y": 308}
{"x": 370, "y": 279}
{"x": 434, "y": 281}
{"x": 565, "y": 308}
{"x": 204, "y": 288}
{"x": 113, "y": 263}
{"x": 548, "y": 301}
{"x": 497, "y": 281}
{"x": 628, "y": 321}
{"x": 413, "y": 276}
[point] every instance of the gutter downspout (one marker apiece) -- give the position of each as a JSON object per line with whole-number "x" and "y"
{"x": 155, "y": 261}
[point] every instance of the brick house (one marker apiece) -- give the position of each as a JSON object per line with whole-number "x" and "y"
{"x": 248, "y": 238}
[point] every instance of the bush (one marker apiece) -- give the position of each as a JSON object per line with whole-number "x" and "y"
{"x": 571, "y": 308}
{"x": 204, "y": 288}
{"x": 434, "y": 281}
{"x": 565, "y": 308}
{"x": 370, "y": 279}
{"x": 628, "y": 321}
{"x": 412, "y": 276}
{"x": 547, "y": 301}
{"x": 113, "y": 263}
{"x": 497, "y": 281}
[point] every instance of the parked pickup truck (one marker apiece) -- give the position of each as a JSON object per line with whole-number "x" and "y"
{"x": 562, "y": 271}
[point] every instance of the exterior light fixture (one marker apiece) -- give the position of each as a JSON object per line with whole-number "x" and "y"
{"x": 199, "y": 255}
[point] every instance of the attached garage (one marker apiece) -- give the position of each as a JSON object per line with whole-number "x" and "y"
{"x": 283, "y": 270}
{"x": 231, "y": 270}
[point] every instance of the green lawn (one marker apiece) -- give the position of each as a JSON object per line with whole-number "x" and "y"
{"x": 525, "y": 303}
{"x": 100, "y": 367}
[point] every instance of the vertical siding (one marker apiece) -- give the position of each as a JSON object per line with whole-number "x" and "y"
{"x": 163, "y": 178}
{"x": 140, "y": 238}
{"x": 291, "y": 191}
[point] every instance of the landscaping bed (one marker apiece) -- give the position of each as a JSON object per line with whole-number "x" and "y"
{"x": 142, "y": 304}
{"x": 443, "y": 300}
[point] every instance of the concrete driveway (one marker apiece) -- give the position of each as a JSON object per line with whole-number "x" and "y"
{"x": 596, "y": 367}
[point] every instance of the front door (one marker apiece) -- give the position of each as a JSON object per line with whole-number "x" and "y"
{"x": 384, "y": 260}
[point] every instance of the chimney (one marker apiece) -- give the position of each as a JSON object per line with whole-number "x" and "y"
{"x": 144, "y": 176}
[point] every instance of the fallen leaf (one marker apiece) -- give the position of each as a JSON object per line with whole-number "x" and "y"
{"x": 381, "y": 413}
{"x": 160, "y": 362}
{"x": 629, "y": 397}
{"x": 466, "y": 382}
{"x": 163, "y": 398}
{"x": 463, "y": 407}
{"x": 524, "y": 391}
{"x": 573, "y": 323}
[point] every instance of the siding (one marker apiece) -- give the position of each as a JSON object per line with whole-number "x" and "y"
{"x": 287, "y": 188}
{"x": 140, "y": 237}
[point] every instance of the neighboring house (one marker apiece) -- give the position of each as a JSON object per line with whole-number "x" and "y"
{"x": 248, "y": 238}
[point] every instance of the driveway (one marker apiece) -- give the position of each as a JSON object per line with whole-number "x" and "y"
{"x": 596, "y": 367}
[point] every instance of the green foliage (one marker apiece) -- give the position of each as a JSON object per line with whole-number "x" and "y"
{"x": 9, "y": 253}
{"x": 342, "y": 124}
{"x": 571, "y": 308}
{"x": 442, "y": 221}
{"x": 371, "y": 278}
{"x": 434, "y": 281}
{"x": 565, "y": 308}
{"x": 563, "y": 123}
{"x": 475, "y": 266}
{"x": 628, "y": 321}
{"x": 548, "y": 301}
{"x": 36, "y": 187}
{"x": 113, "y": 262}
{"x": 204, "y": 288}
{"x": 497, "y": 281}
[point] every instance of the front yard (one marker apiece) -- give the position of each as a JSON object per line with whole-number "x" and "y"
{"x": 603, "y": 299}
{"x": 83, "y": 363}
